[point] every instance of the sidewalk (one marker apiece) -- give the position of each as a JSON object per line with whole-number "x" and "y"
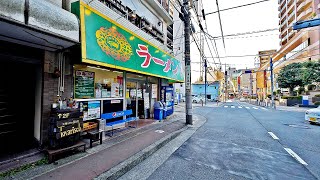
{"x": 112, "y": 152}
{"x": 285, "y": 108}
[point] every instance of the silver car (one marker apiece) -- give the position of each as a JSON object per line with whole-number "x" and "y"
{"x": 313, "y": 115}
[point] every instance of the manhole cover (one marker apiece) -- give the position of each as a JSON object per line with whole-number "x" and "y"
{"x": 298, "y": 126}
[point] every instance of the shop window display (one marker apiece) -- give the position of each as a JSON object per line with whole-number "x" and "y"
{"x": 107, "y": 83}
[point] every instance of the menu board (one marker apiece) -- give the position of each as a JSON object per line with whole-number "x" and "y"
{"x": 146, "y": 101}
{"x": 84, "y": 84}
{"x": 114, "y": 89}
{"x": 154, "y": 90}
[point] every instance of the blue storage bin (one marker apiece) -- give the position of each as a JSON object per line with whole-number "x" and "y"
{"x": 158, "y": 114}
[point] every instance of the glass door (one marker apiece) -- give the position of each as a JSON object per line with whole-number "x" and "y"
{"x": 131, "y": 97}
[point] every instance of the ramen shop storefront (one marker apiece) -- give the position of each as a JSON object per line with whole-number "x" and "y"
{"x": 119, "y": 70}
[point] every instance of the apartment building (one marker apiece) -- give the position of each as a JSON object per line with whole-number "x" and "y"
{"x": 295, "y": 45}
{"x": 301, "y": 45}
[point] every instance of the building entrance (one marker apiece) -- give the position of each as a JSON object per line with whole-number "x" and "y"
{"x": 17, "y": 106}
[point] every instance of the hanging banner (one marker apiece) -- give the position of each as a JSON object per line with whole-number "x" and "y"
{"x": 107, "y": 43}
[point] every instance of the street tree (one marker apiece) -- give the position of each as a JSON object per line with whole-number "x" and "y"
{"x": 311, "y": 72}
{"x": 291, "y": 76}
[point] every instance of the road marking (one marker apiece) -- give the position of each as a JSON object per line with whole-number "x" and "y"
{"x": 159, "y": 131}
{"x": 225, "y": 106}
{"x": 273, "y": 136}
{"x": 240, "y": 107}
{"x": 247, "y": 107}
{"x": 232, "y": 107}
{"x": 254, "y": 108}
{"x": 294, "y": 155}
{"x": 263, "y": 108}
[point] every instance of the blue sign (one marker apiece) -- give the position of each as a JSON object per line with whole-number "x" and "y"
{"x": 306, "y": 24}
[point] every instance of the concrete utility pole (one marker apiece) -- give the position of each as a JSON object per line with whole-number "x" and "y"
{"x": 186, "y": 14}
{"x": 273, "y": 105}
{"x": 225, "y": 82}
{"x": 251, "y": 85}
{"x": 205, "y": 81}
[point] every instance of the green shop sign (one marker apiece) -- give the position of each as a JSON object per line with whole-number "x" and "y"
{"x": 107, "y": 43}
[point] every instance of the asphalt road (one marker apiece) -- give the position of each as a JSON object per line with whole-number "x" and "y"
{"x": 235, "y": 143}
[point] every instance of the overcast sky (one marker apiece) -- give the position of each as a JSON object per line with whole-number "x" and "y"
{"x": 256, "y": 17}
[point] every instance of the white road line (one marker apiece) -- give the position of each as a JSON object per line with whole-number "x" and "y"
{"x": 273, "y": 136}
{"x": 263, "y": 108}
{"x": 240, "y": 107}
{"x": 254, "y": 108}
{"x": 294, "y": 155}
{"x": 247, "y": 107}
{"x": 232, "y": 107}
{"x": 225, "y": 106}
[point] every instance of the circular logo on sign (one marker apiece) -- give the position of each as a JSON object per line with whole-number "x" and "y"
{"x": 114, "y": 44}
{"x": 114, "y": 114}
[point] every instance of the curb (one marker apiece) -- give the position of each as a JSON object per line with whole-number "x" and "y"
{"x": 127, "y": 165}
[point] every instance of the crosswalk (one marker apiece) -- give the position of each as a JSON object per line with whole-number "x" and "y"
{"x": 246, "y": 107}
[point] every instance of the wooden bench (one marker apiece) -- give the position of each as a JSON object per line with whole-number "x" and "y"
{"x": 93, "y": 136}
{"x": 115, "y": 124}
{"x": 53, "y": 153}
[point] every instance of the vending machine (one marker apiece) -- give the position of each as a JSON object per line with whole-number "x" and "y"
{"x": 167, "y": 97}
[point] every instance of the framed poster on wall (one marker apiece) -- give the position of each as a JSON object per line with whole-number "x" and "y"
{"x": 91, "y": 110}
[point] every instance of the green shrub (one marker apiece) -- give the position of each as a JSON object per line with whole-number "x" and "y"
{"x": 292, "y": 97}
{"x": 317, "y": 103}
{"x": 317, "y": 95}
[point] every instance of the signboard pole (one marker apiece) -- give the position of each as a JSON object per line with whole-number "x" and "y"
{"x": 187, "y": 62}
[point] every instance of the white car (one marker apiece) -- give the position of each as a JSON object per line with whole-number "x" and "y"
{"x": 313, "y": 115}
{"x": 197, "y": 99}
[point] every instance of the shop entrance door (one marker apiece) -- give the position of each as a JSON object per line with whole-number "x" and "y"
{"x": 136, "y": 96}
{"x": 17, "y": 99}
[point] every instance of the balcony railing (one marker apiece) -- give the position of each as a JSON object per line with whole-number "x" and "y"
{"x": 140, "y": 22}
{"x": 304, "y": 14}
{"x": 164, "y": 4}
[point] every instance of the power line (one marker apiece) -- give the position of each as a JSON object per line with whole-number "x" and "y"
{"x": 246, "y": 33}
{"x": 237, "y": 7}
{"x": 255, "y": 55}
{"x": 215, "y": 47}
{"x": 224, "y": 45}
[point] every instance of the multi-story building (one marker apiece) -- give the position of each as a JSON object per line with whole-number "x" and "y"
{"x": 262, "y": 79}
{"x": 115, "y": 54}
{"x": 247, "y": 83}
{"x": 301, "y": 45}
{"x": 295, "y": 46}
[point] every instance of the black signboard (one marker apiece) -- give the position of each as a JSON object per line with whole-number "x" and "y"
{"x": 84, "y": 84}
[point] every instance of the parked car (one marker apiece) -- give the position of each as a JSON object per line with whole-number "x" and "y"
{"x": 313, "y": 115}
{"x": 242, "y": 99}
{"x": 197, "y": 99}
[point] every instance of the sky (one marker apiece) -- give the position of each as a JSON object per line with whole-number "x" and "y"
{"x": 256, "y": 17}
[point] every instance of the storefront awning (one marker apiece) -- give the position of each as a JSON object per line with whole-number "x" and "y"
{"x": 37, "y": 24}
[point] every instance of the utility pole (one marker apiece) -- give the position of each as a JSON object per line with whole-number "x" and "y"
{"x": 186, "y": 14}
{"x": 251, "y": 85}
{"x": 225, "y": 82}
{"x": 271, "y": 78}
{"x": 205, "y": 81}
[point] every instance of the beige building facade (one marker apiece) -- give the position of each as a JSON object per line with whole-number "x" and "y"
{"x": 295, "y": 45}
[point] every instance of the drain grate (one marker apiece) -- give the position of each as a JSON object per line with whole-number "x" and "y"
{"x": 298, "y": 126}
